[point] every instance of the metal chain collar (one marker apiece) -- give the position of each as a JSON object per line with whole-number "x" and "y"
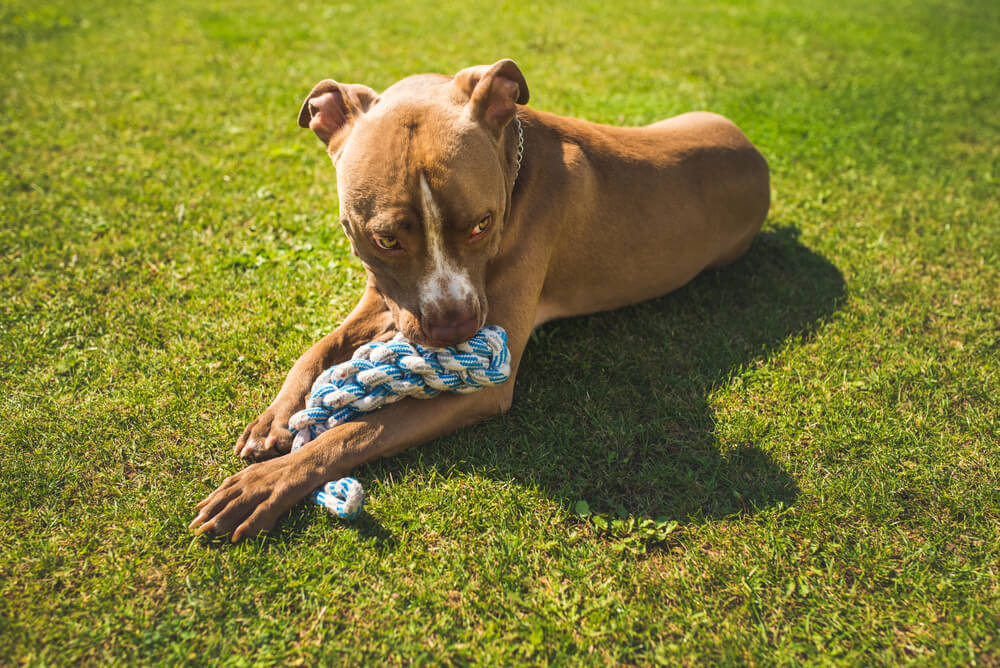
{"x": 520, "y": 147}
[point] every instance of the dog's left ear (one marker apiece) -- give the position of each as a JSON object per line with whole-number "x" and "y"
{"x": 494, "y": 92}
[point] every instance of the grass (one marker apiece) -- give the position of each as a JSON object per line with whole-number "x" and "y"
{"x": 792, "y": 459}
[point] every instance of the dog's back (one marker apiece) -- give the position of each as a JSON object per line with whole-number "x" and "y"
{"x": 647, "y": 208}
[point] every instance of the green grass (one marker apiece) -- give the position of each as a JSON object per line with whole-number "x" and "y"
{"x": 791, "y": 459}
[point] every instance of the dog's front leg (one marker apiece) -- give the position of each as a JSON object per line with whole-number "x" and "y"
{"x": 252, "y": 500}
{"x": 268, "y": 435}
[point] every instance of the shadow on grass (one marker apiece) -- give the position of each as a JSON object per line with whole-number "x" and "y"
{"x": 293, "y": 528}
{"x": 613, "y": 408}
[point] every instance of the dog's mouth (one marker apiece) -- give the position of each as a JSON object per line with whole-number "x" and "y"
{"x": 441, "y": 329}
{"x": 445, "y": 336}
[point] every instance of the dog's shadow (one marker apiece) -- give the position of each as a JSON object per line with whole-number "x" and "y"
{"x": 614, "y": 408}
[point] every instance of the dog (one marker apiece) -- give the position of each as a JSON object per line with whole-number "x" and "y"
{"x": 466, "y": 207}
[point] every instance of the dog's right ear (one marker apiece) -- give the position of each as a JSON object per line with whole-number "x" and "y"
{"x": 331, "y": 109}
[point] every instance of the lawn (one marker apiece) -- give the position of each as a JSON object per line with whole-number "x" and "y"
{"x": 791, "y": 459}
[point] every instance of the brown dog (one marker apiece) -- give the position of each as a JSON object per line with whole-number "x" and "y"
{"x": 466, "y": 208}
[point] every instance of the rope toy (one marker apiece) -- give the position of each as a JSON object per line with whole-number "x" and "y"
{"x": 381, "y": 373}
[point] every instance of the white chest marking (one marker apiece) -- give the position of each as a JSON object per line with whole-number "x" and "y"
{"x": 444, "y": 282}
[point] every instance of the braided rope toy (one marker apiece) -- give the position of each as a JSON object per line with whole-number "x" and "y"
{"x": 381, "y": 373}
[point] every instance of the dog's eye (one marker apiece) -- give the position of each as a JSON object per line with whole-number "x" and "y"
{"x": 482, "y": 225}
{"x": 386, "y": 241}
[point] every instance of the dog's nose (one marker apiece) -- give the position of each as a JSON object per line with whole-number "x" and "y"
{"x": 450, "y": 331}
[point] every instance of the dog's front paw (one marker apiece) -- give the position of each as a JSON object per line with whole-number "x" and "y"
{"x": 266, "y": 437}
{"x": 252, "y": 500}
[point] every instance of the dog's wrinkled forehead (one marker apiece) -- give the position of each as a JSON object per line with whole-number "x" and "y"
{"x": 418, "y": 128}
{"x": 406, "y": 120}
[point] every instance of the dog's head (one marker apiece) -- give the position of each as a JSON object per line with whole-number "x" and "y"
{"x": 424, "y": 175}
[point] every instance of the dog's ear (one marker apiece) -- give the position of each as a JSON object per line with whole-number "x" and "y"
{"x": 494, "y": 92}
{"x": 332, "y": 108}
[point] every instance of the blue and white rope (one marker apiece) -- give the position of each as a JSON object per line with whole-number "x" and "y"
{"x": 382, "y": 373}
